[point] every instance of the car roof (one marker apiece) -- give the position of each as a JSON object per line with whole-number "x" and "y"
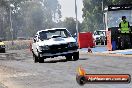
{"x": 101, "y": 30}
{"x": 51, "y": 29}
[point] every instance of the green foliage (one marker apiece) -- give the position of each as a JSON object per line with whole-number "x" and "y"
{"x": 93, "y": 15}
{"x": 70, "y": 24}
{"x": 29, "y": 16}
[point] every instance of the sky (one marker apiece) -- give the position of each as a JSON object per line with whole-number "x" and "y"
{"x": 68, "y": 8}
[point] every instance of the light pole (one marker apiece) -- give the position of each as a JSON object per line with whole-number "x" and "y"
{"x": 103, "y": 9}
{"x": 103, "y": 15}
{"x": 102, "y": 5}
{"x": 76, "y": 17}
{"x": 11, "y": 29}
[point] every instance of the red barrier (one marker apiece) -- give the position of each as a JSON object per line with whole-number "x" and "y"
{"x": 109, "y": 45}
{"x": 85, "y": 40}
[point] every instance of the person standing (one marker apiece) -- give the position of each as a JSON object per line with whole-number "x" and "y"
{"x": 124, "y": 33}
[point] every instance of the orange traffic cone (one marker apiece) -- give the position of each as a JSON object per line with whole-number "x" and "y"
{"x": 89, "y": 50}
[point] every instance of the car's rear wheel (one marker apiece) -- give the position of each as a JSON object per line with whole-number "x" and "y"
{"x": 75, "y": 56}
{"x": 68, "y": 57}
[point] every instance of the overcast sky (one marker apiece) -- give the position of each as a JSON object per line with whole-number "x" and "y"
{"x": 68, "y": 8}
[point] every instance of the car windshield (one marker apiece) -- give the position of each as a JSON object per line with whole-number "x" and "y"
{"x": 44, "y": 35}
{"x": 100, "y": 33}
{"x": 114, "y": 17}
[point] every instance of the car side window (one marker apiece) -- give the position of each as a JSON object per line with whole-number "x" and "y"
{"x": 42, "y": 36}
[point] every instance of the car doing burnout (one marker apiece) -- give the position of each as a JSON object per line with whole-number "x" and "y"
{"x": 54, "y": 42}
{"x": 100, "y": 37}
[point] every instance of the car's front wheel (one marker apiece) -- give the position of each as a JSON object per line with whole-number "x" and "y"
{"x": 97, "y": 43}
{"x": 3, "y": 51}
{"x": 35, "y": 58}
{"x": 41, "y": 60}
{"x": 68, "y": 57}
{"x": 75, "y": 56}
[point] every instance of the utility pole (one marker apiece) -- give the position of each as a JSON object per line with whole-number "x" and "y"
{"x": 103, "y": 18}
{"x": 76, "y": 17}
{"x": 11, "y": 29}
{"x": 103, "y": 9}
{"x": 102, "y": 5}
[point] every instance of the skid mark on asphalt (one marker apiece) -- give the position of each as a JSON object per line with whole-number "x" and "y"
{"x": 12, "y": 56}
{"x": 6, "y": 73}
{"x": 19, "y": 75}
{"x": 8, "y": 56}
{"x": 2, "y": 85}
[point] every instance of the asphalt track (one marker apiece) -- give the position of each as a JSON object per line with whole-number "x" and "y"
{"x": 17, "y": 70}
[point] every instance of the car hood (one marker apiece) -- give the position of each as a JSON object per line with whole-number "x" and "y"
{"x": 56, "y": 41}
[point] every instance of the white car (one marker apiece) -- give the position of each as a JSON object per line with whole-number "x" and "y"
{"x": 100, "y": 37}
{"x": 54, "y": 42}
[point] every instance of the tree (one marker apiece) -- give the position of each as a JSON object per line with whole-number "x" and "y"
{"x": 5, "y": 16}
{"x": 70, "y": 24}
{"x": 93, "y": 15}
{"x": 38, "y": 15}
{"x": 54, "y": 7}
{"x": 29, "y": 16}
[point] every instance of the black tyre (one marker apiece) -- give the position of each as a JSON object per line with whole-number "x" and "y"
{"x": 3, "y": 51}
{"x": 97, "y": 43}
{"x": 35, "y": 58}
{"x": 75, "y": 56}
{"x": 68, "y": 57}
{"x": 106, "y": 42}
{"x": 41, "y": 60}
{"x": 102, "y": 43}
